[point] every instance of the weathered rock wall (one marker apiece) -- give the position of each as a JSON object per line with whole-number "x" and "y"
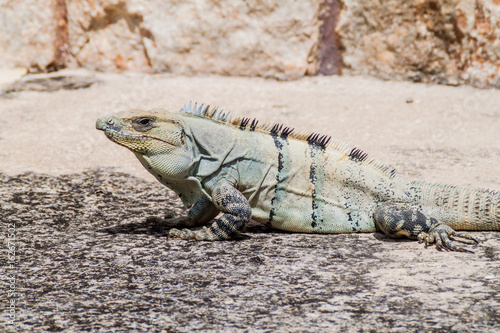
{"x": 26, "y": 33}
{"x": 443, "y": 41}
{"x": 265, "y": 38}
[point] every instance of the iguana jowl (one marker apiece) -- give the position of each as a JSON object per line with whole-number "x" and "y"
{"x": 290, "y": 181}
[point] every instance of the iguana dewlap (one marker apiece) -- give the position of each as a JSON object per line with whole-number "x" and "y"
{"x": 290, "y": 181}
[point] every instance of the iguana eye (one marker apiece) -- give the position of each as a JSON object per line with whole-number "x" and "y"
{"x": 144, "y": 121}
{"x": 143, "y": 124}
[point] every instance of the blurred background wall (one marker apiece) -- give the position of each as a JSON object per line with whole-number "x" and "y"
{"x": 442, "y": 41}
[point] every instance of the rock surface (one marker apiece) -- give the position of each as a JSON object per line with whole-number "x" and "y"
{"x": 228, "y": 37}
{"x": 441, "y": 41}
{"x": 27, "y": 33}
{"x": 86, "y": 261}
{"x": 48, "y": 82}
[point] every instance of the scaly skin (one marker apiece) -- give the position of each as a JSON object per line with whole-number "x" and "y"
{"x": 290, "y": 181}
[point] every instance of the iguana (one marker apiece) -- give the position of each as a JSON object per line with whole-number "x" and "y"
{"x": 290, "y": 181}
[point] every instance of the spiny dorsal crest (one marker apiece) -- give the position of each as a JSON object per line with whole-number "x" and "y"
{"x": 322, "y": 141}
{"x": 278, "y": 130}
{"x": 204, "y": 111}
{"x": 245, "y": 121}
{"x": 358, "y": 155}
{"x": 319, "y": 140}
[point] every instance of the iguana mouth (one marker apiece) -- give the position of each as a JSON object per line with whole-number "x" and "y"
{"x": 124, "y": 138}
{"x": 120, "y": 136}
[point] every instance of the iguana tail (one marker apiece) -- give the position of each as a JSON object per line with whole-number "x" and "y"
{"x": 460, "y": 207}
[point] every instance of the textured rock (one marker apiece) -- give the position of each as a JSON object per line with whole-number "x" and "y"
{"x": 262, "y": 38}
{"x": 48, "y": 82}
{"x": 228, "y": 37}
{"x": 26, "y": 33}
{"x": 442, "y": 41}
{"x": 87, "y": 261}
{"x": 265, "y": 38}
{"x": 107, "y": 35}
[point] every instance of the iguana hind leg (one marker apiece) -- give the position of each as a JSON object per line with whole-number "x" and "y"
{"x": 397, "y": 220}
{"x": 236, "y": 211}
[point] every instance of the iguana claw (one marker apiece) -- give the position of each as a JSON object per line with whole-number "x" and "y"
{"x": 440, "y": 235}
{"x": 188, "y": 234}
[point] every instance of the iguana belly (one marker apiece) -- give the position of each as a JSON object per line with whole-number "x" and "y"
{"x": 302, "y": 214}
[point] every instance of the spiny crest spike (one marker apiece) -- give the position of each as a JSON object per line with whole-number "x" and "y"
{"x": 276, "y": 128}
{"x": 358, "y": 155}
{"x": 326, "y": 140}
{"x": 287, "y": 131}
{"x": 254, "y": 124}
{"x": 205, "y": 110}
{"x": 311, "y": 138}
{"x": 318, "y": 140}
{"x": 198, "y": 109}
{"x": 244, "y": 122}
{"x": 221, "y": 115}
{"x": 186, "y": 107}
{"x": 214, "y": 113}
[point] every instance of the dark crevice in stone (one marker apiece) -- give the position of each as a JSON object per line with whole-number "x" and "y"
{"x": 330, "y": 46}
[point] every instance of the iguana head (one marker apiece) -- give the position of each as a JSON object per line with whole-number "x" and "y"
{"x": 157, "y": 137}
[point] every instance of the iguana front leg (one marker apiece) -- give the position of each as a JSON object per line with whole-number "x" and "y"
{"x": 397, "y": 220}
{"x": 202, "y": 212}
{"x": 236, "y": 211}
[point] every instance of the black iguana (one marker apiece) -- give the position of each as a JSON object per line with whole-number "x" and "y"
{"x": 289, "y": 181}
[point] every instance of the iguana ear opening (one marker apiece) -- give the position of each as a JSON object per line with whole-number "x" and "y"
{"x": 183, "y": 137}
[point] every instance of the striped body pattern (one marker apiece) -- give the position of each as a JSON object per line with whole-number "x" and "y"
{"x": 288, "y": 180}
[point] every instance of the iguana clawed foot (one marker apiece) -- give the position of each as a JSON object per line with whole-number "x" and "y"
{"x": 440, "y": 235}
{"x": 188, "y": 234}
{"x": 397, "y": 220}
{"x": 236, "y": 210}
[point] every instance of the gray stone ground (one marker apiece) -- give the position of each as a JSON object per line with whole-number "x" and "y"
{"x": 87, "y": 261}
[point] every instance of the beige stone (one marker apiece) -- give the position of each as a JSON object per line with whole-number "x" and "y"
{"x": 26, "y": 33}
{"x": 440, "y": 41}
{"x": 105, "y": 35}
{"x": 443, "y": 41}
{"x": 263, "y": 38}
